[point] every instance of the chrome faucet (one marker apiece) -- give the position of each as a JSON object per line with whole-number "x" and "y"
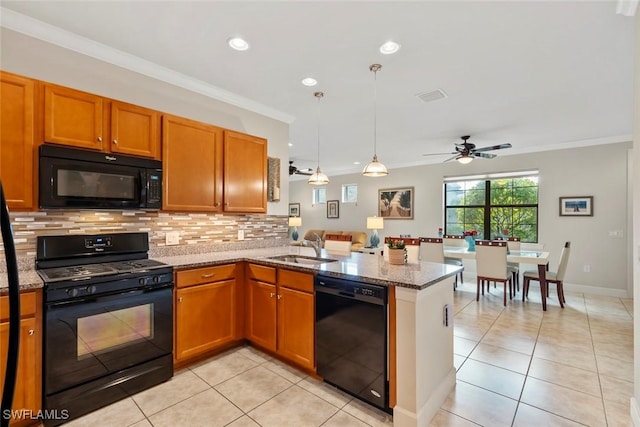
{"x": 316, "y": 244}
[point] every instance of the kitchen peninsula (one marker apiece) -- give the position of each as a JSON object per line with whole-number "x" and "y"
{"x": 419, "y": 293}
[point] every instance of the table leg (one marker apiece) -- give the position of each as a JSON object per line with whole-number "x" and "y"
{"x": 542, "y": 275}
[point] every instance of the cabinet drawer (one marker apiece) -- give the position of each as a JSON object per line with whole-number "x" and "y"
{"x": 27, "y": 305}
{"x": 295, "y": 280}
{"x": 262, "y": 273}
{"x": 197, "y": 276}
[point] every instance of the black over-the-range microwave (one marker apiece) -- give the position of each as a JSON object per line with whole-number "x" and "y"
{"x": 72, "y": 178}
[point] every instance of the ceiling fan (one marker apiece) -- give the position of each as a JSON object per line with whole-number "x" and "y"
{"x": 466, "y": 151}
{"x": 295, "y": 170}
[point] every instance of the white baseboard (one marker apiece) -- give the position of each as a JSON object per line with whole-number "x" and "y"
{"x": 596, "y": 290}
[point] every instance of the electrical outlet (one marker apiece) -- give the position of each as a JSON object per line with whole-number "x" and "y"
{"x": 172, "y": 238}
{"x": 240, "y": 234}
{"x": 587, "y": 268}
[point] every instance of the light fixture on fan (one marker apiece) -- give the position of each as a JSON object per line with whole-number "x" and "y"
{"x": 375, "y": 168}
{"x": 318, "y": 178}
{"x": 465, "y": 160}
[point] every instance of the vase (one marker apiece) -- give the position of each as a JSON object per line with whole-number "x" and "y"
{"x": 397, "y": 256}
{"x": 472, "y": 243}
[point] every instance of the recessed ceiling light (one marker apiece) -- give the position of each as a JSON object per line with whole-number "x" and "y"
{"x": 238, "y": 44}
{"x": 309, "y": 81}
{"x": 356, "y": 163}
{"x": 290, "y": 145}
{"x": 389, "y": 47}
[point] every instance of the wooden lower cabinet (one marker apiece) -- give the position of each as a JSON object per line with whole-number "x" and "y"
{"x": 281, "y": 313}
{"x": 206, "y": 303}
{"x": 27, "y": 395}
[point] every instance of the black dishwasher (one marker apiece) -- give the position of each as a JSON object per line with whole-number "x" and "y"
{"x": 351, "y": 338}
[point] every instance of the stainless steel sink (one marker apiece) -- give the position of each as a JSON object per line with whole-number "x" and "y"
{"x": 301, "y": 259}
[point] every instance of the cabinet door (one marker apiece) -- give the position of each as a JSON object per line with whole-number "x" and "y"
{"x": 245, "y": 173}
{"x": 72, "y": 117}
{"x": 134, "y": 130}
{"x": 261, "y": 314}
{"x": 205, "y": 318}
{"x": 17, "y": 139}
{"x": 27, "y": 392}
{"x": 192, "y": 165}
{"x": 296, "y": 326}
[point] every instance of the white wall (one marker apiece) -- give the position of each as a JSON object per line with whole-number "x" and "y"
{"x": 598, "y": 171}
{"x": 635, "y": 406}
{"x": 33, "y": 58}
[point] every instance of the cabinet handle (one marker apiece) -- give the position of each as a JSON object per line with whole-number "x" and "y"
{"x": 31, "y": 331}
{"x": 271, "y": 295}
{"x": 216, "y": 204}
{"x": 206, "y": 276}
{"x": 115, "y": 142}
{"x": 180, "y": 299}
{"x": 279, "y": 296}
{"x": 99, "y": 139}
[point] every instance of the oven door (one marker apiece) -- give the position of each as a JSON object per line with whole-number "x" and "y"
{"x": 95, "y": 336}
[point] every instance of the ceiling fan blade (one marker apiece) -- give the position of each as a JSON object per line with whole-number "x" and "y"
{"x": 494, "y": 147}
{"x": 299, "y": 172}
{"x": 483, "y": 155}
{"x": 437, "y": 154}
{"x": 452, "y": 158}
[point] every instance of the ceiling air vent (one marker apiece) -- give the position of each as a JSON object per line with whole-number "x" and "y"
{"x": 434, "y": 95}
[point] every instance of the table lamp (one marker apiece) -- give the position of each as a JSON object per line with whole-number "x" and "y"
{"x": 295, "y": 222}
{"x": 375, "y": 223}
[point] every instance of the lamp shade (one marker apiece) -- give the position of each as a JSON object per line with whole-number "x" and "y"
{"x": 375, "y": 223}
{"x": 295, "y": 221}
{"x": 465, "y": 159}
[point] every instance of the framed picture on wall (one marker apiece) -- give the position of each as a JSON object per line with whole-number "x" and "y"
{"x": 294, "y": 209}
{"x": 576, "y": 206}
{"x": 333, "y": 209}
{"x": 395, "y": 203}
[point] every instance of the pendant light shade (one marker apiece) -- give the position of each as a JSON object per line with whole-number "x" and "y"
{"x": 375, "y": 168}
{"x": 318, "y": 178}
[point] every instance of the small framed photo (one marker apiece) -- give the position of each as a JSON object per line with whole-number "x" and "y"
{"x": 576, "y": 206}
{"x": 395, "y": 203}
{"x": 333, "y": 209}
{"x": 294, "y": 209}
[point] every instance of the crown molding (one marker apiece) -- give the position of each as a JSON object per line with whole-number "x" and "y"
{"x": 627, "y": 7}
{"x": 51, "y": 34}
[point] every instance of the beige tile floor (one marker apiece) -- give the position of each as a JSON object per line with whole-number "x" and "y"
{"x": 517, "y": 366}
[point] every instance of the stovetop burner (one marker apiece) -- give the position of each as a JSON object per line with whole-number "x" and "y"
{"x": 81, "y": 272}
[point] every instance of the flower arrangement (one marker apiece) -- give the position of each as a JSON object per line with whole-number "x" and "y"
{"x": 397, "y": 244}
{"x": 470, "y": 233}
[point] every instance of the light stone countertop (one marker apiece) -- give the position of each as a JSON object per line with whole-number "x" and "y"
{"x": 357, "y": 266}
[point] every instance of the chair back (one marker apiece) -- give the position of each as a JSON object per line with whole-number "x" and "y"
{"x": 412, "y": 246}
{"x": 431, "y": 249}
{"x": 526, "y": 246}
{"x": 337, "y": 244}
{"x": 454, "y": 240}
{"x": 564, "y": 260}
{"x": 513, "y": 243}
{"x": 491, "y": 259}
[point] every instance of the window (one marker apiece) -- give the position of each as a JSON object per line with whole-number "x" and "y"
{"x": 493, "y": 205}
{"x": 350, "y": 193}
{"x": 319, "y": 195}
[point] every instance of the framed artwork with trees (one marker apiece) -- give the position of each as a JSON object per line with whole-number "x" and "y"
{"x": 395, "y": 203}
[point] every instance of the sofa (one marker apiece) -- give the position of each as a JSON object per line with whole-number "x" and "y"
{"x": 358, "y": 238}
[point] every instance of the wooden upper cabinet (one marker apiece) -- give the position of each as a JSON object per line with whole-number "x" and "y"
{"x": 245, "y": 173}
{"x": 192, "y": 165}
{"x": 134, "y": 130}
{"x": 72, "y": 117}
{"x": 17, "y": 137}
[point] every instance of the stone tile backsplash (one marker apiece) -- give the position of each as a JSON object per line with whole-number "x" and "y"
{"x": 198, "y": 231}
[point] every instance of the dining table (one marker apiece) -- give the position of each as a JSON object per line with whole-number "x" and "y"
{"x": 540, "y": 258}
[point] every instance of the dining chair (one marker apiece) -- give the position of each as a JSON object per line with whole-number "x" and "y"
{"x": 432, "y": 250}
{"x": 491, "y": 266}
{"x": 337, "y": 244}
{"x": 412, "y": 246}
{"x": 556, "y": 277}
{"x": 454, "y": 240}
{"x": 513, "y": 244}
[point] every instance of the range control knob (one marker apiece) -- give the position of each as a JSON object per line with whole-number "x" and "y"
{"x": 73, "y": 292}
{"x": 141, "y": 281}
{"x": 156, "y": 279}
{"x": 91, "y": 289}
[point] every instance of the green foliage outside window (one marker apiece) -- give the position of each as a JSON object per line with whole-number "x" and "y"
{"x": 494, "y": 208}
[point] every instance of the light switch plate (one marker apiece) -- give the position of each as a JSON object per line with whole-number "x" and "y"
{"x": 172, "y": 238}
{"x": 240, "y": 234}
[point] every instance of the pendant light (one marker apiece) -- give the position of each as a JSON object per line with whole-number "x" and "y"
{"x": 318, "y": 178}
{"x": 375, "y": 168}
